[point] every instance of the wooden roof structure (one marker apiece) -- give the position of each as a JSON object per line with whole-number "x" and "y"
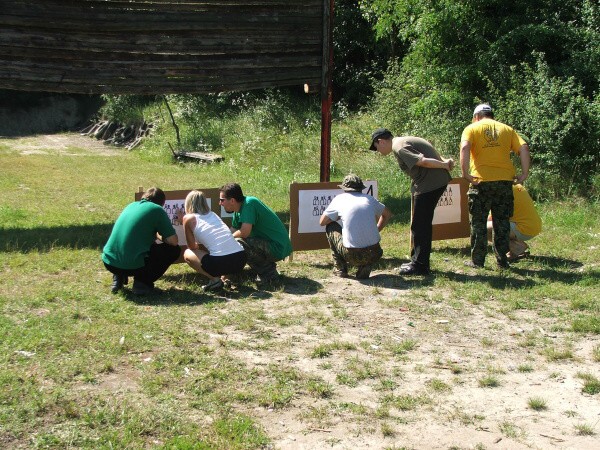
{"x": 169, "y": 47}
{"x": 159, "y": 46}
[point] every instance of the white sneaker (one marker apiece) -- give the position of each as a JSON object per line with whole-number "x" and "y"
{"x": 213, "y": 285}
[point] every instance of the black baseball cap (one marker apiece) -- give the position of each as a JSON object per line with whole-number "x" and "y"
{"x": 378, "y": 134}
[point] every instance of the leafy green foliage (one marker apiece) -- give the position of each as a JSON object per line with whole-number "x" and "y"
{"x": 536, "y": 62}
{"x": 562, "y": 126}
{"x": 125, "y": 109}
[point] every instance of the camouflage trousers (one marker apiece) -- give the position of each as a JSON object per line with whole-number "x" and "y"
{"x": 495, "y": 197}
{"x": 343, "y": 256}
{"x": 260, "y": 259}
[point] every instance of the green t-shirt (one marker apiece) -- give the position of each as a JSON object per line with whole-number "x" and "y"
{"x": 133, "y": 234}
{"x": 265, "y": 225}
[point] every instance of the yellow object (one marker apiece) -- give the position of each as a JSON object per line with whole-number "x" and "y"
{"x": 525, "y": 215}
{"x": 491, "y": 145}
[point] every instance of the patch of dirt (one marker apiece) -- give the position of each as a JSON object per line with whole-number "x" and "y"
{"x": 63, "y": 144}
{"x": 456, "y": 348}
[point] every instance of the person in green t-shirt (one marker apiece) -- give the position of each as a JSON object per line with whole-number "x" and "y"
{"x": 131, "y": 249}
{"x": 258, "y": 229}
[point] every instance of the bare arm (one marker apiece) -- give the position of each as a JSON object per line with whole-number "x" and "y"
{"x": 324, "y": 220}
{"x": 244, "y": 231}
{"x": 431, "y": 163}
{"x": 465, "y": 162}
{"x": 385, "y": 217}
{"x": 189, "y": 223}
{"x": 525, "y": 162}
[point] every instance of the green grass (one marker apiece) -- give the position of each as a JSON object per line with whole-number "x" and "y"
{"x": 537, "y": 404}
{"x": 591, "y": 384}
{"x": 82, "y": 368}
{"x": 489, "y": 381}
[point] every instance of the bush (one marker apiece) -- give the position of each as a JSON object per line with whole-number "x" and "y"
{"x": 125, "y": 109}
{"x": 562, "y": 127}
{"x": 408, "y": 106}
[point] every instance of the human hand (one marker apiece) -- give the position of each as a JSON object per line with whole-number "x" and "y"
{"x": 450, "y": 163}
{"x": 471, "y": 179}
{"x": 520, "y": 179}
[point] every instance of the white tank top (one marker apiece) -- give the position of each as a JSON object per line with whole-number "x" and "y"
{"x": 212, "y": 232}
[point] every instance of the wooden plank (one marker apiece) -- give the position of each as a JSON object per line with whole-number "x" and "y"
{"x": 159, "y": 46}
{"x": 198, "y": 156}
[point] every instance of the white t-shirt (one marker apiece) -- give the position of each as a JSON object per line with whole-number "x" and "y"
{"x": 357, "y": 213}
{"x": 212, "y": 232}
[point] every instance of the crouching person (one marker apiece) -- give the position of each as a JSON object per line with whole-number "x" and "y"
{"x": 131, "y": 249}
{"x": 525, "y": 224}
{"x": 259, "y": 231}
{"x": 212, "y": 250}
{"x": 356, "y": 241}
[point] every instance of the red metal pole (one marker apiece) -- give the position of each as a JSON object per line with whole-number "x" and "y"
{"x": 326, "y": 90}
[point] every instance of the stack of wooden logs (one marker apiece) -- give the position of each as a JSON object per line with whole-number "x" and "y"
{"x": 114, "y": 133}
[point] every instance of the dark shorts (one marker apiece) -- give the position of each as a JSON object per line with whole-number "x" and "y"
{"x": 224, "y": 265}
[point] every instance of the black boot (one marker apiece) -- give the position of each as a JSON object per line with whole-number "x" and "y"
{"x": 117, "y": 283}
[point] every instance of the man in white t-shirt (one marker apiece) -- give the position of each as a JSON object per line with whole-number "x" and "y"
{"x": 353, "y": 221}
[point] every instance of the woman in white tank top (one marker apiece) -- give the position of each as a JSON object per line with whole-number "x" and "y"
{"x": 212, "y": 250}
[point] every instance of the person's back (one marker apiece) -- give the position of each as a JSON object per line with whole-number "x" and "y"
{"x": 358, "y": 213}
{"x": 212, "y": 233}
{"x": 525, "y": 216}
{"x": 491, "y": 145}
{"x": 408, "y": 151}
{"x": 133, "y": 234}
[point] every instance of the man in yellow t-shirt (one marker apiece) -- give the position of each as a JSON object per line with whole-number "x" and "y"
{"x": 485, "y": 161}
{"x": 525, "y": 223}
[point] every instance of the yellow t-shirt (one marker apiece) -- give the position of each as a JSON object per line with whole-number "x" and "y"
{"x": 525, "y": 215}
{"x": 491, "y": 144}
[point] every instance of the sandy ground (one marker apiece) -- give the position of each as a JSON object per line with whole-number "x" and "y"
{"x": 67, "y": 144}
{"x": 457, "y": 347}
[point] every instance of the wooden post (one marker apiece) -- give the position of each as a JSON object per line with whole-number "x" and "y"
{"x": 326, "y": 90}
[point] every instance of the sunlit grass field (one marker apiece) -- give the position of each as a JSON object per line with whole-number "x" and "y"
{"x": 68, "y": 347}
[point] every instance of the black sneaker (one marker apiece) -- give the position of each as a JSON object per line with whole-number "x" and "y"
{"x": 141, "y": 288}
{"x": 503, "y": 264}
{"x": 268, "y": 277}
{"x": 413, "y": 269}
{"x": 340, "y": 273}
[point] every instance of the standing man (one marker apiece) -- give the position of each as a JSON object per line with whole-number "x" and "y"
{"x": 356, "y": 241}
{"x": 485, "y": 161}
{"x": 258, "y": 229}
{"x": 430, "y": 174}
{"x": 132, "y": 250}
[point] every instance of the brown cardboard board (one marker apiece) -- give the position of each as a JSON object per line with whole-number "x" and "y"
{"x": 451, "y": 217}
{"x": 307, "y": 203}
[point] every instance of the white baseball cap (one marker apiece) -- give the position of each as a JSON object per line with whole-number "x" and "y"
{"x": 481, "y": 108}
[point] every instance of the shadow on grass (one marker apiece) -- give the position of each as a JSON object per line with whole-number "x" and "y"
{"x": 244, "y": 288}
{"x": 43, "y": 239}
{"x": 535, "y": 267}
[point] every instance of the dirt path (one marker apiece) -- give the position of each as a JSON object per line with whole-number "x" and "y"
{"x": 63, "y": 144}
{"x": 408, "y": 372}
